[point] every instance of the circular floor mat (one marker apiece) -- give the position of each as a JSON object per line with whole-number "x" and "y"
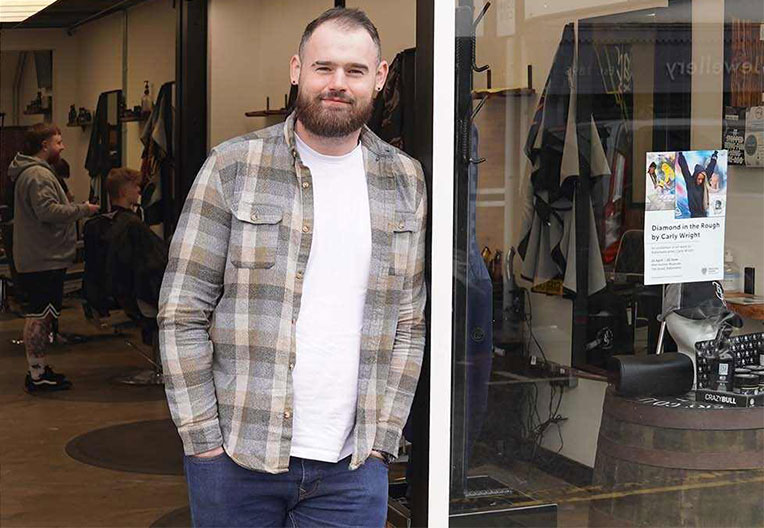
{"x": 180, "y": 518}
{"x": 98, "y": 384}
{"x": 151, "y": 446}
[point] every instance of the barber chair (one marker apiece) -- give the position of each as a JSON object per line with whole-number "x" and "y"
{"x": 146, "y": 317}
{"x": 100, "y": 298}
{"x": 693, "y": 313}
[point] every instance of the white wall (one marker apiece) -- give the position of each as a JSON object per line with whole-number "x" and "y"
{"x": 251, "y": 42}
{"x": 28, "y": 91}
{"x": 65, "y": 87}
{"x": 744, "y": 234}
{"x": 150, "y": 56}
{"x": 90, "y": 62}
{"x": 535, "y": 42}
{"x": 27, "y": 87}
{"x": 8, "y": 61}
{"x": 538, "y": 28}
{"x": 99, "y": 69}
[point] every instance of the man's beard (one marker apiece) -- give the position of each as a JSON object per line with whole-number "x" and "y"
{"x": 330, "y": 123}
{"x": 53, "y": 158}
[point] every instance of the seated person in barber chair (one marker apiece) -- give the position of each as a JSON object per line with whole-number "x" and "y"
{"x": 124, "y": 258}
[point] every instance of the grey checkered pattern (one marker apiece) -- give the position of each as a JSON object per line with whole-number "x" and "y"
{"x": 231, "y": 295}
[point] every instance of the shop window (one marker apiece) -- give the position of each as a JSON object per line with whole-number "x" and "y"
{"x": 583, "y": 132}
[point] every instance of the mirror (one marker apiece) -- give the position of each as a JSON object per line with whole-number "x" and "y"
{"x": 26, "y": 98}
{"x": 26, "y": 87}
{"x": 105, "y": 146}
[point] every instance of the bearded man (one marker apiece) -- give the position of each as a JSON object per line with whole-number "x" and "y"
{"x": 292, "y": 309}
{"x": 44, "y": 245}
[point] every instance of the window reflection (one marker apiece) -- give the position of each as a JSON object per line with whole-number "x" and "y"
{"x": 553, "y": 176}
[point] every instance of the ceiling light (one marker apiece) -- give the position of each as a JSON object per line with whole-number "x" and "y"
{"x": 20, "y": 10}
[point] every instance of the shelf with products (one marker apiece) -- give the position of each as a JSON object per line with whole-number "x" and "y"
{"x": 502, "y": 92}
{"x": 130, "y": 118}
{"x": 82, "y": 125}
{"x": 42, "y": 111}
{"x": 268, "y": 112}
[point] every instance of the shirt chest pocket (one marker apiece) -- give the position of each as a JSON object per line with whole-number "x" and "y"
{"x": 255, "y": 236}
{"x": 404, "y": 227}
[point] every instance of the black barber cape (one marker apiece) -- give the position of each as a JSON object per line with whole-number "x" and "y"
{"x": 124, "y": 260}
{"x": 548, "y": 238}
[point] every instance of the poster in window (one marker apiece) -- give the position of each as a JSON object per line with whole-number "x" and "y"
{"x": 733, "y": 135}
{"x": 685, "y": 213}
{"x": 743, "y": 133}
{"x": 754, "y": 137}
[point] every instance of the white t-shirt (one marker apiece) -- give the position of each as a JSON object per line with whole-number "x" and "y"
{"x": 331, "y": 312}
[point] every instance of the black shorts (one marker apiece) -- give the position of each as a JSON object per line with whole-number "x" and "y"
{"x": 44, "y": 291}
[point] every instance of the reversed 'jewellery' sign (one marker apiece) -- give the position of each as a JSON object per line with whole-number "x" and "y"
{"x": 685, "y": 208}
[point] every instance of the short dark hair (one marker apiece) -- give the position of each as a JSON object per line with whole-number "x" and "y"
{"x": 35, "y": 135}
{"x": 118, "y": 178}
{"x": 346, "y": 18}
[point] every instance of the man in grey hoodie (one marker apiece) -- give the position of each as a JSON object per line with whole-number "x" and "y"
{"x": 44, "y": 240}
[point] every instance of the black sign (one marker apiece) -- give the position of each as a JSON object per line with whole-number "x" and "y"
{"x": 733, "y": 135}
{"x": 677, "y": 403}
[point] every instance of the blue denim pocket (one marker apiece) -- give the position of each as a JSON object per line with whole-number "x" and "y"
{"x": 193, "y": 459}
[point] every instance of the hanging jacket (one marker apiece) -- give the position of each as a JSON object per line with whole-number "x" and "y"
{"x": 136, "y": 259}
{"x": 394, "y": 108}
{"x": 124, "y": 261}
{"x": 98, "y": 159}
{"x": 157, "y": 156}
{"x": 95, "y": 287}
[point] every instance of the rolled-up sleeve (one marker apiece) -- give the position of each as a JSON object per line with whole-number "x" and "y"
{"x": 191, "y": 289}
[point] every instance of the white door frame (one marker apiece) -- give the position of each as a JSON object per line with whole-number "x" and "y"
{"x": 444, "y": 35}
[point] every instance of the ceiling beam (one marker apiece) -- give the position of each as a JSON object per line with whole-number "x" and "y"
{"x": 119, "y": 6}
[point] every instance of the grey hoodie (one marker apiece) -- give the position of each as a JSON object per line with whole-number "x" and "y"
{"x": 44, "y": 236}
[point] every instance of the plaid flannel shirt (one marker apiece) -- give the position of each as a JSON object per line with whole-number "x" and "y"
{"x": 232, "y": 289}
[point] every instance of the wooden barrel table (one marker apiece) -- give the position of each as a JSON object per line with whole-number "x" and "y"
{"x": 677, "y": 462}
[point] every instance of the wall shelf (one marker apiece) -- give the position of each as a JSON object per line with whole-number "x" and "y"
{"x": 502, "y": 92}
{"x": 82, "y": 125}
{"x": 130, "y": 119}
{"x": 38, "y": 112}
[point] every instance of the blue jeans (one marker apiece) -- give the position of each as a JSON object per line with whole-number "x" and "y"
{"x": 311, "y": 493}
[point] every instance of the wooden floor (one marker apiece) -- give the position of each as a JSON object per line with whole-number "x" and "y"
{"x": 40, "y": 485}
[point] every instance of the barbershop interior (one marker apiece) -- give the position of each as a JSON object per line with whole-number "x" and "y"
{"x": 595, "y": 250}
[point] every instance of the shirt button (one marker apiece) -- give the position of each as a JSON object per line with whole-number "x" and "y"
{"x": 254, "y": 216}
{"x": 287, "y": 414}
{"x": 400, "y": 226}
{"x": 294, "y": 320}
{"x": 291, "y": 366}
{"x": 305, "y": 185}
{"x": 299, "y": 275}
{"x": 305, "y": 229}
